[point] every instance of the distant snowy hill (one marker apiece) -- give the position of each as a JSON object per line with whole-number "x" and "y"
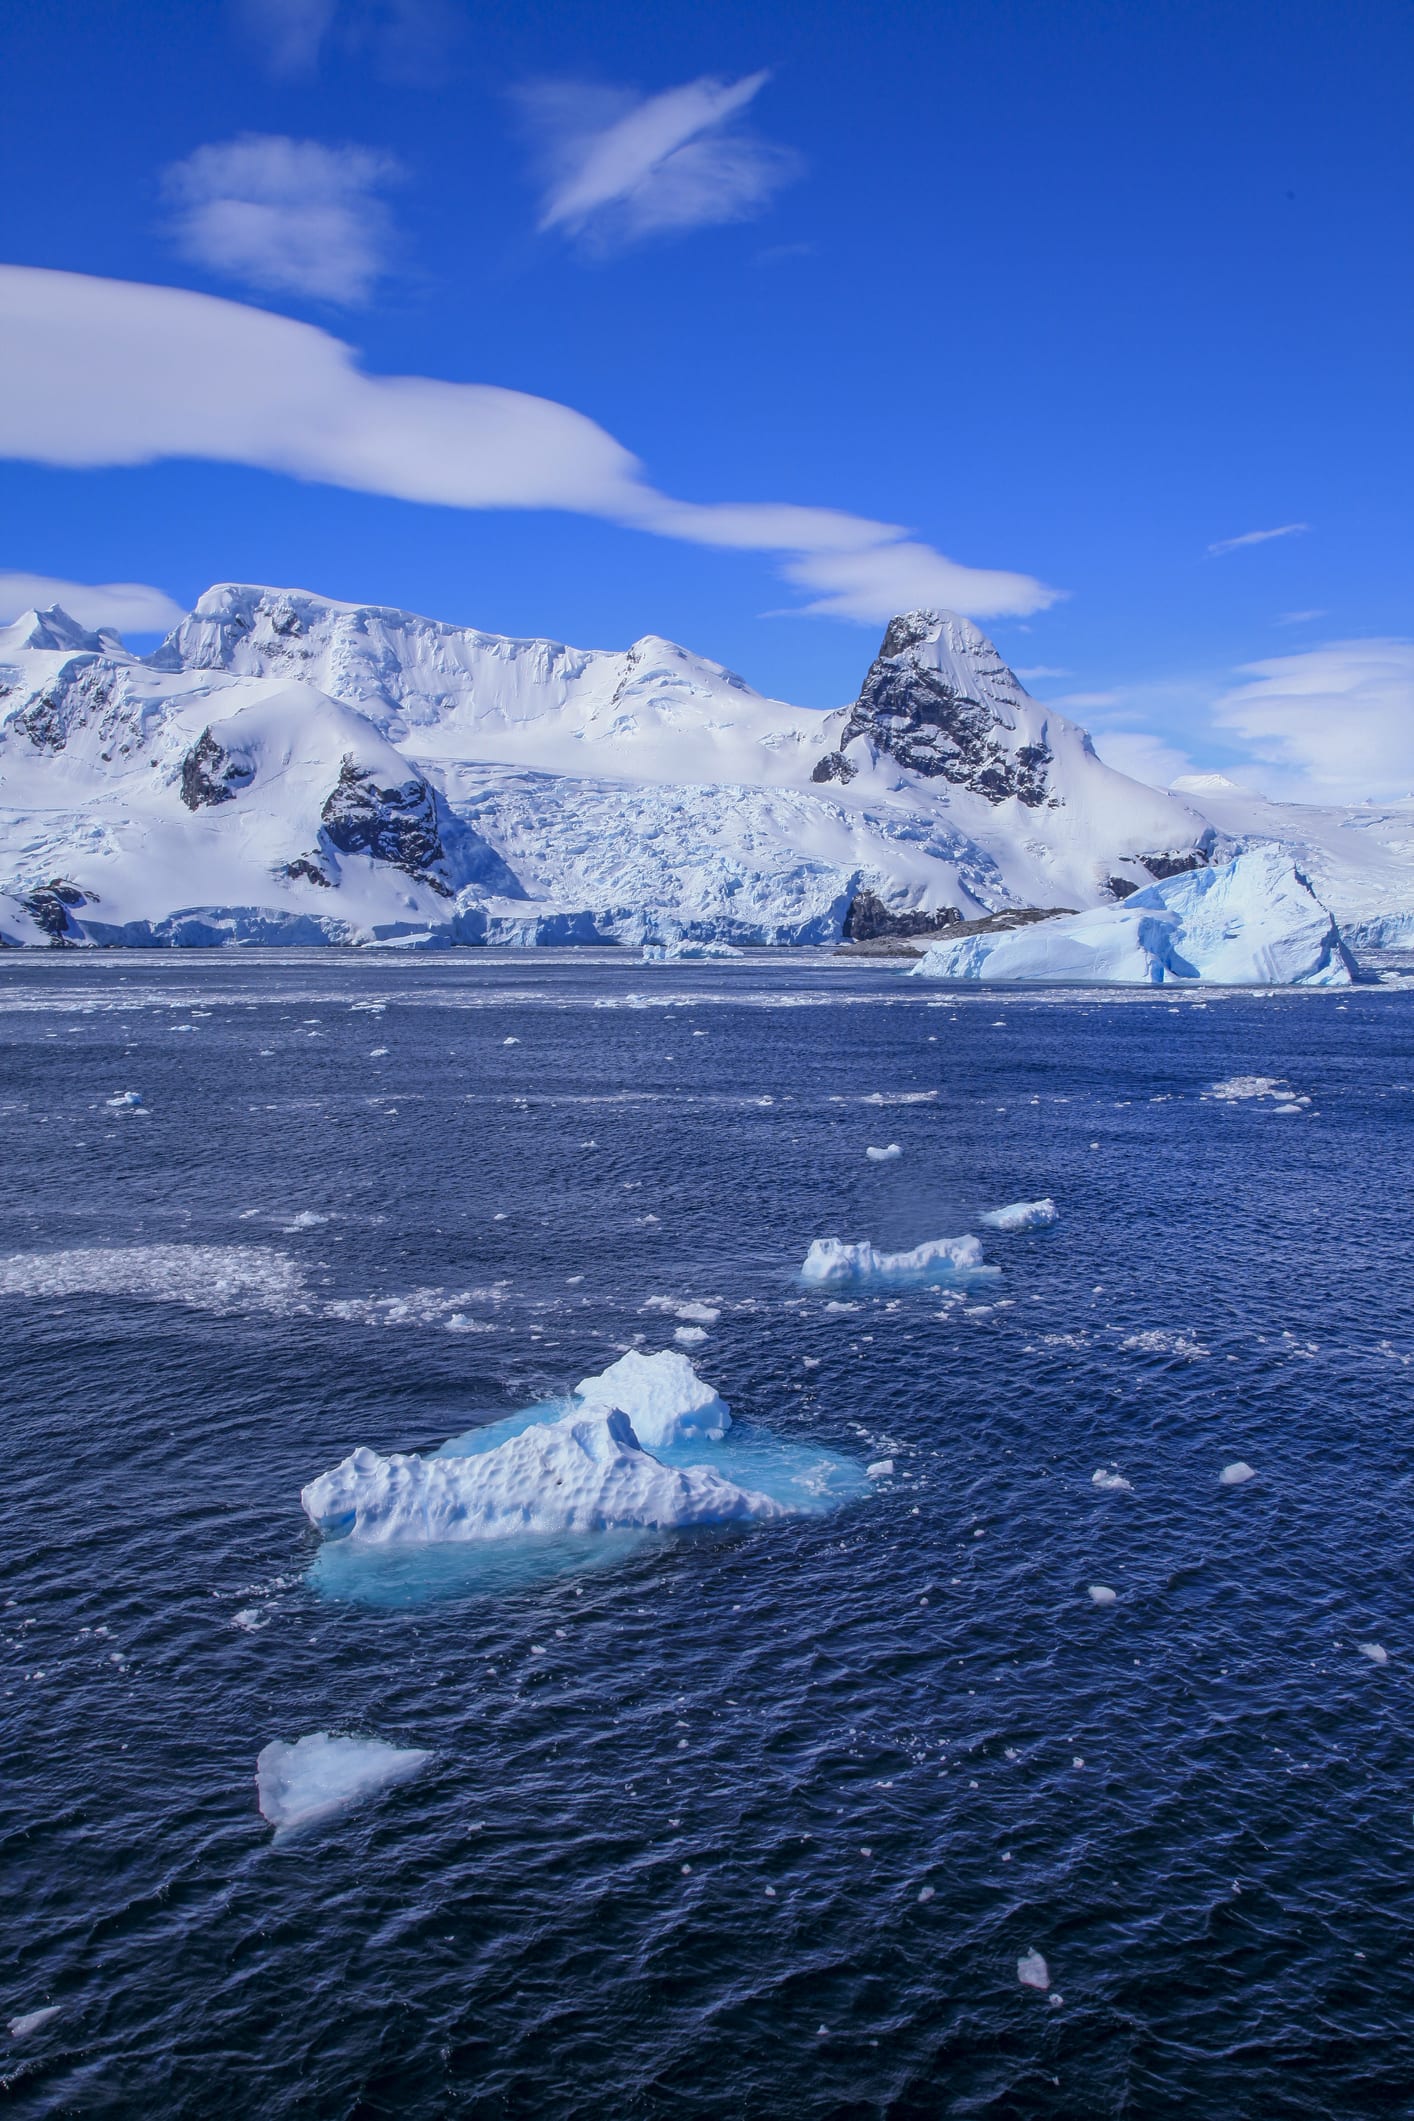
{"x": 289, "y": 769}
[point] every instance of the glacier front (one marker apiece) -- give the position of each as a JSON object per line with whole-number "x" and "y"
{"x": 1253, "y": 922}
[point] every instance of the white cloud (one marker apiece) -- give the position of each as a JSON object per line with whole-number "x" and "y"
{"x": 1256, "y": 537}
{"x": 1040, "y": 670}
{"x": 291, "y": 33}
{"x": 110, "y": 372}
{"x": 1337, "y": 722}
{"x": 1299, "y": 618}
{"x": 405, "y": 38}
{"x": 292, "y": 216}
{"x": 129, "y": 607}
{"x": 1086, "y": 699}
{"x": 620, "y": 168}
{"x": 1143, "y": 755}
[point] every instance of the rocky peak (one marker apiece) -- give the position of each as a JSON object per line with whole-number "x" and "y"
{"x": 397, "y": 824}
{"x": 940, "y": 700}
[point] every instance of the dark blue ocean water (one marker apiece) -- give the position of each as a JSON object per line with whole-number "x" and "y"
{"x": 672, "y": 1866}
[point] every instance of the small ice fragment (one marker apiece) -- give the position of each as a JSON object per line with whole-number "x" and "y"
{"x": 770, "y": 1892}
{"x": 690, "y": 1336}
{"x": 1113, "y": 1483}
{"x": 925, "y": 1893}
{"x": 250, "y": 1618}
{"x": 880, "y": 1468}
{"x": 1033, "y": 1972}
{"x": 320, "y": 1775}
{"x": 830, "y": 1260}
{"x": 31, "y": 2021}
{"x": 1101, "y": 1594}
{"x": 1234, "y": 1475}
{"x": 1023, "y": 1215}
{"x": 884, "y": 1156}
{"x": 1375, "y": 1651}
{"x": 510, "y": 1041}
{"x": 125, "y": 1101}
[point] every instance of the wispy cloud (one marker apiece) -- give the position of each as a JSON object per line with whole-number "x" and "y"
{"x": 1299, "y": 618}
{"x": 109, "y": 372}
{"x": 129, "y": 607}
{"x": 1337, "y": 721}
{"x": 1256, "y": 537}
{"x": 618, "y": 167}
{"x": 1143, "y": 755}
{"x": 1086, "y": 699}
{"x": 404, "y": 38}
{"x": 1040, "y": 670}
{"x": 287, "y": 216}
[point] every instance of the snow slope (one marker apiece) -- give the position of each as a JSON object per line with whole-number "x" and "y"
{"x": 286, "y": 768}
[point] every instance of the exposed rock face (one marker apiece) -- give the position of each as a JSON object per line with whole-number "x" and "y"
{"x": 210, "y": 773}
{"x": 50, "y": 907}
{"x": 396, "y": 825}
{"x": 869, "y": 919}
{"x": 940, "y": 700}
{"x": 82, "y": 690}
{"x": 1160, "y": 866}
{"x": 309, "y": 867}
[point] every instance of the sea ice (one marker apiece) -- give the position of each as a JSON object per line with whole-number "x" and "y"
{"x": 1033, "y": 1972}
{"x": 830, "y": 1260}
{"x": 209, "y": 1277}
{"x": 1022, "y": 1215}
{"x": 1253, "y": 921}
{"x": 884, "y": 1156}
{"x": 1234, "y": 1475}
{"x": 1102, "y": 1594}
{"x": 685, "y": 947}
{"x": 690, "y": 1336}
{"x": 1114, "y": 1482}
{"x": 1375, "y": 1651}
{"x": 125, "y": 1101}
{"x": 662, "y": 1395}
{"x": 31, "y": 2021}
{"x": 880, "y": 1469}
{"x": 320, "y": 1775}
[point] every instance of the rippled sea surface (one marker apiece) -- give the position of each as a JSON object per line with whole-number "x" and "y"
{"x": 747, "y": 1824}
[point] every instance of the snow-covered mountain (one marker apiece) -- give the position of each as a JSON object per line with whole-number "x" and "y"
{"x": 290, "y": 769}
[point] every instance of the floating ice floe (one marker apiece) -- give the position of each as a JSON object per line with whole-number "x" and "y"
{"x": 1236, "y": 1474}
{"x": 320, "y": 1775}
{"x": 662, "y": 1395}
{"x": 1253, "y": 921}
{"x": 1101, "y": 1594}
{"x": 830, "y": 1261}
{"x": 126, "y": 1101}
{"x": 1161, "y": 1341}
{"x": 1114, "y": 1483}
{"x": 209, "y": 1277}
{"x": 31, "y": 2021}
{"x": 1375, "y": 1651}
{"x": 1032, "y": 1971}
{"x": 1022, "y": 1215}
{"x": 884, "y": 1156}
{"x": 880, "y": 1470}
{"x": 685, "y": 947}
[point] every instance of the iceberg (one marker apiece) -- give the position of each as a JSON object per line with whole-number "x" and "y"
{"x": 1023, "y": 1215}
{"x": 586, "y": 1472}
{"x": 830, "y": 1261}
{"x": 318, "y": 1776}
{"x": 1253, "y": 922}
{"x": 662, "y": 1395}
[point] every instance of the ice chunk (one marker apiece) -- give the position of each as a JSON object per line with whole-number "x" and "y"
{"x": 884, "y": 1156}
{"x": 1115, "y": 1483}
{"x": 320, "y": 1775}
{"x": 584, "y": 1473}
{"x": 1253, "y": 921}
{"x": 1023, "y": 1215}
{"x": 685, "y": 947}
{"x": 880, "y": 1469}
{"x": 1101, "y": 1594}
{"x": 1375, "y": 1651}
{"x": 831, "y": 1260}
{"x": 663, "y": 1396}
{"x": 1032, "y": 1971}
{"x": 1234, "y": 1475}
{"x": 31, "y": 2021}
{"x": 690, "y": 1336}
{"x": 125, "y": 1101}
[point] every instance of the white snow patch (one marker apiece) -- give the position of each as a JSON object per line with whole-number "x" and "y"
{"x": 1023, "y": 1215}
{"x": 320, "y": 1775}
{"x": 831, "y": 1260}
{"x": 1235, "y": 1475}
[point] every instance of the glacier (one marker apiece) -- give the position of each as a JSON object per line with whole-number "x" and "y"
{"x": 1254, "y": 921}
{"x": 287, "y": 769}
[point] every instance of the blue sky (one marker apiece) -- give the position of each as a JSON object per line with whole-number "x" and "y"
{"x": 1068, "y": 295}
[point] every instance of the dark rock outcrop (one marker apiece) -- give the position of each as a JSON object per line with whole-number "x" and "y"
{"x": 211, "y": 775}
{"x": 916, "y": 714}
{"x": 1161, "y": 865}
{"x": 309, "y": 867}
{"x": 81, "y": 689}
{"x": 869, "y": 919}
{"x": 50, "y": 908}
{"x": 398, "y": 824}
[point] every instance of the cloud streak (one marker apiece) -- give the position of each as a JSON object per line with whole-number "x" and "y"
{"x": 1336, "y": 721}
{"x": 285, "y": 216}
{"x": 619, "y": 168}
{"x": 112, "y": 372}
{"x": 128, "y": 607}
{"x": 1256, "y": 537}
